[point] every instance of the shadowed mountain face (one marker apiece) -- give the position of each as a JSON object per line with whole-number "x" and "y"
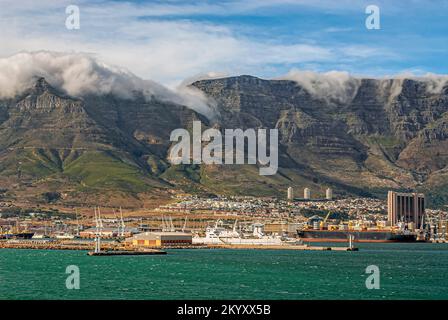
{"x": 382, "y": 134}
{"x": 92, "y": 149}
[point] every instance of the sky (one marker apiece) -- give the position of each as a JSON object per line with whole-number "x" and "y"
{"x": 176, "y": 41}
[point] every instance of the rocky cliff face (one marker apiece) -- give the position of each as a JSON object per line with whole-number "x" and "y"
{"x": 376, "y": 135}
{"x": 97, "y": 147}
{"x": 381, "y": 134}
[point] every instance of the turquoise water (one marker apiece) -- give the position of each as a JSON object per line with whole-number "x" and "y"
{"x": 407, "y": 271}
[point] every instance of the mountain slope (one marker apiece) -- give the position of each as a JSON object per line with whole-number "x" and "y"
{"x": 85, "y": 147}
{"x": 383, "y": 134}
{"x": 364, "y": 138}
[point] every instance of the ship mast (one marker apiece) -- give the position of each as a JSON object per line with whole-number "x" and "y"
{"x": 123, "y": 227}
{"x": 185, "y": 224}
{"x": 172, "y": 229}
{"x": 350, "y": 241}
{"x": 99, "y": 226}
{"x": 77, "y": 223}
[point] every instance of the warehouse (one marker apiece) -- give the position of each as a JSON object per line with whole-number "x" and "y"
{"x": 106, "y": 232}
{"x": 160, "y": 239}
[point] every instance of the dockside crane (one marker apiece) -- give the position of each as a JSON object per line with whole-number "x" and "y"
{"x": 323, "y": 223}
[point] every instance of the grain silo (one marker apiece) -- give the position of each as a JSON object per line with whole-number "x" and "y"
{"x": 306, "y": 193}
{"x": 329, "y": 194}
{"x": 290, "y": 193}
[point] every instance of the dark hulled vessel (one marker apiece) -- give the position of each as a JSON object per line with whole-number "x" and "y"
{"x": 359, "y": 236}
{"x": 19, "y": 236}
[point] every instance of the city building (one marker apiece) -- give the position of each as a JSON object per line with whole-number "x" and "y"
{"x": 406, "y": 207}
{"x": 160, "y": 239}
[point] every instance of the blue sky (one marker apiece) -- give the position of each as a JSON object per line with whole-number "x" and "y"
{"x": 169, "y": 41}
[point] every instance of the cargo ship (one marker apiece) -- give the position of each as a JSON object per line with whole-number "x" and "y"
{"x": 16, "y": 232}
{"x": 19, "y": 235}
{"x": 359, "y": 236}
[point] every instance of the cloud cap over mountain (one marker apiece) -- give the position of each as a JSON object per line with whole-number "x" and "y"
{"x": 80, "y": 74}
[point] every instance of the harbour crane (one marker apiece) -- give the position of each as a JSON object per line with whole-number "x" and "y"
{"x": 323, "y": 223}
{"x": 328, "y": 214}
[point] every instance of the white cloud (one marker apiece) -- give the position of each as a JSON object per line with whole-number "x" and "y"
{"x": 156, "y": 41}
{"x": 165, "y": 50}
{"x": 80, "y": 74}
{"x": 203, "y": 76}
{"x": 333, "y": 86}
{"x": 340, "y": 86}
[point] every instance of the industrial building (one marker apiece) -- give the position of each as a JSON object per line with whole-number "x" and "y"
{"x": 160, "y": 239}
{"x": 280, "y": 227}
{"x": 406, "y": 207}
{"x": 105, "y": 233}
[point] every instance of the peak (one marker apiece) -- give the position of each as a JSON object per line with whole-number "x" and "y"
{"x": 42, "y": 84}
{"x": 247, "y": 79}
{"x": 243, "y": 78}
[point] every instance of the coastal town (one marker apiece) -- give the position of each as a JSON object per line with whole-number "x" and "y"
{"x": 226, "y": 221}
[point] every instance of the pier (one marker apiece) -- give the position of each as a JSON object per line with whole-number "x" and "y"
{"x": 127, "y": 253}
{"x": 282, "y": 247}
{"x": 116, "y": 248}
{"x": 58, "y": 245}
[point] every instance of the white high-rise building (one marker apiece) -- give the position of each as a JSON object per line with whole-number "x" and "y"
{"x": 290, "y": 193}
{"x": 306, "y": 193}
{"x": 329, "y": 194}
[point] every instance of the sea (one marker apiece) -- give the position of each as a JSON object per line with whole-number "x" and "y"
{"x": 401, "y": 271}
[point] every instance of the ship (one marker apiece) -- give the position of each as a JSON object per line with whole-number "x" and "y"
{"x": 220, "y": 235}
{"x": 16, "y": 233}
{"x": 18, "y": 236}
{"x": 64, "y": 236}
{"x": 359, "y": 236}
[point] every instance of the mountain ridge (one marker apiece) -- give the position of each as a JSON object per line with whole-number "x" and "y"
{"x": 112, "y": 149}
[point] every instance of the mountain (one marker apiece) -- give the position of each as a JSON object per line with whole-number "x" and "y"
{"x": 377, "y": 135}
{"x": 372, "y": 136}
{"x": 98, "y": 148}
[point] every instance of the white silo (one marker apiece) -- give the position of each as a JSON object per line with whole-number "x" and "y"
{"x": 290, "y": 193}
{"x": 306, "y": 193}
{"x": 329, "y": 194}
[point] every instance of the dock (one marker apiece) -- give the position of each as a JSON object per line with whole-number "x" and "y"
{"x": 115, "y": 248}
{"x": 282, "y": 247}
{"x": 127, "y": 253}
{"x": 56, "y": 245}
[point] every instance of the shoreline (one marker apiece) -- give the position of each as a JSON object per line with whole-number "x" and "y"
{"x": 113, "y": 247}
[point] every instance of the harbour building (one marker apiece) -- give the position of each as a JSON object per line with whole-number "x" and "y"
{"x": 406, "y": 207}
{"x": 160, "y": 239}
